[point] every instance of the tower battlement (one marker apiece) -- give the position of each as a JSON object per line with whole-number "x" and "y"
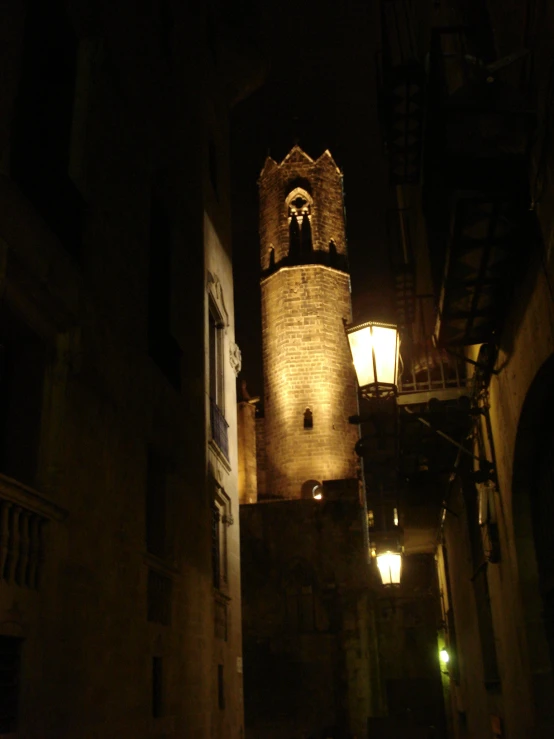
{"x": 301, "y": 212}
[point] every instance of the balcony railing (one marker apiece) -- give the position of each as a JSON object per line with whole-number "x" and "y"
{"x": 219, "y": 425}
{"x": 433, "y": 373}
{"x": 427, "y": 371}
{"x": 24, "y": 516}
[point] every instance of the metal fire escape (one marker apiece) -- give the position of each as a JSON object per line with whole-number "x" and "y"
{"x": 457, "y": 128}
{"x": 475, "y": 190}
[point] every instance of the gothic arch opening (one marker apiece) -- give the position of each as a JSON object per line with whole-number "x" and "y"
{"x": 299, "y": 204}
{"x": 307, "y": 489}
{"x": 333, "y": 254}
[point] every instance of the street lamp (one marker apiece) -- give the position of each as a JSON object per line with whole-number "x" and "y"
{"x": 386, "y": 538}
{"x": 390, "y": 565}
{"x": 374, "y": 348}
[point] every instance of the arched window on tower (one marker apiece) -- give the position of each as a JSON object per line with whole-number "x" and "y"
{"x": 308, "y": 419}
{"x": 332, "y": 253}
{"x": 300, "y": 227}
{"x": 271, "y": 257}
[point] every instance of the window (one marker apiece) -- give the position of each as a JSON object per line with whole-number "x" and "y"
{"x": 333, "y": 254}
{"x": 216, "y": 545}
{"x": 221, "y": 519}
{"x": 162, "y": 346}
{"x": 300, "y": 227}
{"x": 157, "y": 687}
{"x": 308, "y": 419}
{"x": 220, "y": 688}
{"x": 22, "y": 366}
{"x": 10, "y": 660}
{"x": 217, "y": 385}
{"x": 41, "y": 130}
{"x": 219, "y": 425}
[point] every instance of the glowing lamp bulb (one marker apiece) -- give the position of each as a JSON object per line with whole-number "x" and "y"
{"x": 444, "y": 656}
{"x": 390, "y": 565}
{"x": 374, "y": 349}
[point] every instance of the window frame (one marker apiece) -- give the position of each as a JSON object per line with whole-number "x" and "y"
{"x": 222, "y": 518}
{"x": 216, "y": 353}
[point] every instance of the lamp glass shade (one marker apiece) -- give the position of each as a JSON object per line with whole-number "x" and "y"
{"x": 374, "y": 350}
{"x": 390, "y": 565}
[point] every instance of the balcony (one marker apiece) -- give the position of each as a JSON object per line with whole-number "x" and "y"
{"x": 476, "y": 196}
{"x": 219, "y": 427}
{"x": 431, "y": 373}
{"x": 24, "y": 518}
{"x": 491, "y": 235}
{"x": 426, "y": 371}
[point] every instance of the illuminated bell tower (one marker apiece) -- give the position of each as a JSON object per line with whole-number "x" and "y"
{"x": 310, "y": 387}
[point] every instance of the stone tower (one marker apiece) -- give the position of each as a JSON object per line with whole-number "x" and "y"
{"x": 310, "y": 387}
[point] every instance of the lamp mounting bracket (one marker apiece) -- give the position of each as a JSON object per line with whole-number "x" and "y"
{"x": 483, "y": 463}
{"x": 484, "y": 363}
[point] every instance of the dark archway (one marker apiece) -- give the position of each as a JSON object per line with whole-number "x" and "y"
{"x": 533, "y": 513}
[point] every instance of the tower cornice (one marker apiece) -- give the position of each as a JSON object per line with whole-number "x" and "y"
{"x": 308, "y": 265}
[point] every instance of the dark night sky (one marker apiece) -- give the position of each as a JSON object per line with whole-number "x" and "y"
{"x": 320, "y": 92}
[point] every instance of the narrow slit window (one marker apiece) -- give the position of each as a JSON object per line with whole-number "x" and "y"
{"x": 157, "y": 687}
{"x": 220, "y": 688}
{"x": 333, "y": 254}
{"x": 308, "y": 419}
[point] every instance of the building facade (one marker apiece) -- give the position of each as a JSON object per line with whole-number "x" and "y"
{"x": 119, "y": 565}
{"x": 474, "y": 208}
{"x": 308, "y": 618}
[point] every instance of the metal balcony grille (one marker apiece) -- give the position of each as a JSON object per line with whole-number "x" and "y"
{"x": 219, "y": 428}
{"x": 431, "y": 371}
{"x": 427, "y": 371}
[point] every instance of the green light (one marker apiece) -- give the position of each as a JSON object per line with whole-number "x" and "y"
{"x": 444, "y": 656}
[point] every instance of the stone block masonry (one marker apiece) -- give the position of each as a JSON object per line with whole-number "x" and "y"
{"x": 310, "y": 387}
{"x": 307, "y": 367}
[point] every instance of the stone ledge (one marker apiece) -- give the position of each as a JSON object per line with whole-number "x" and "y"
{"x": 163, "y": 566}
{"x": 28, "y": 498}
